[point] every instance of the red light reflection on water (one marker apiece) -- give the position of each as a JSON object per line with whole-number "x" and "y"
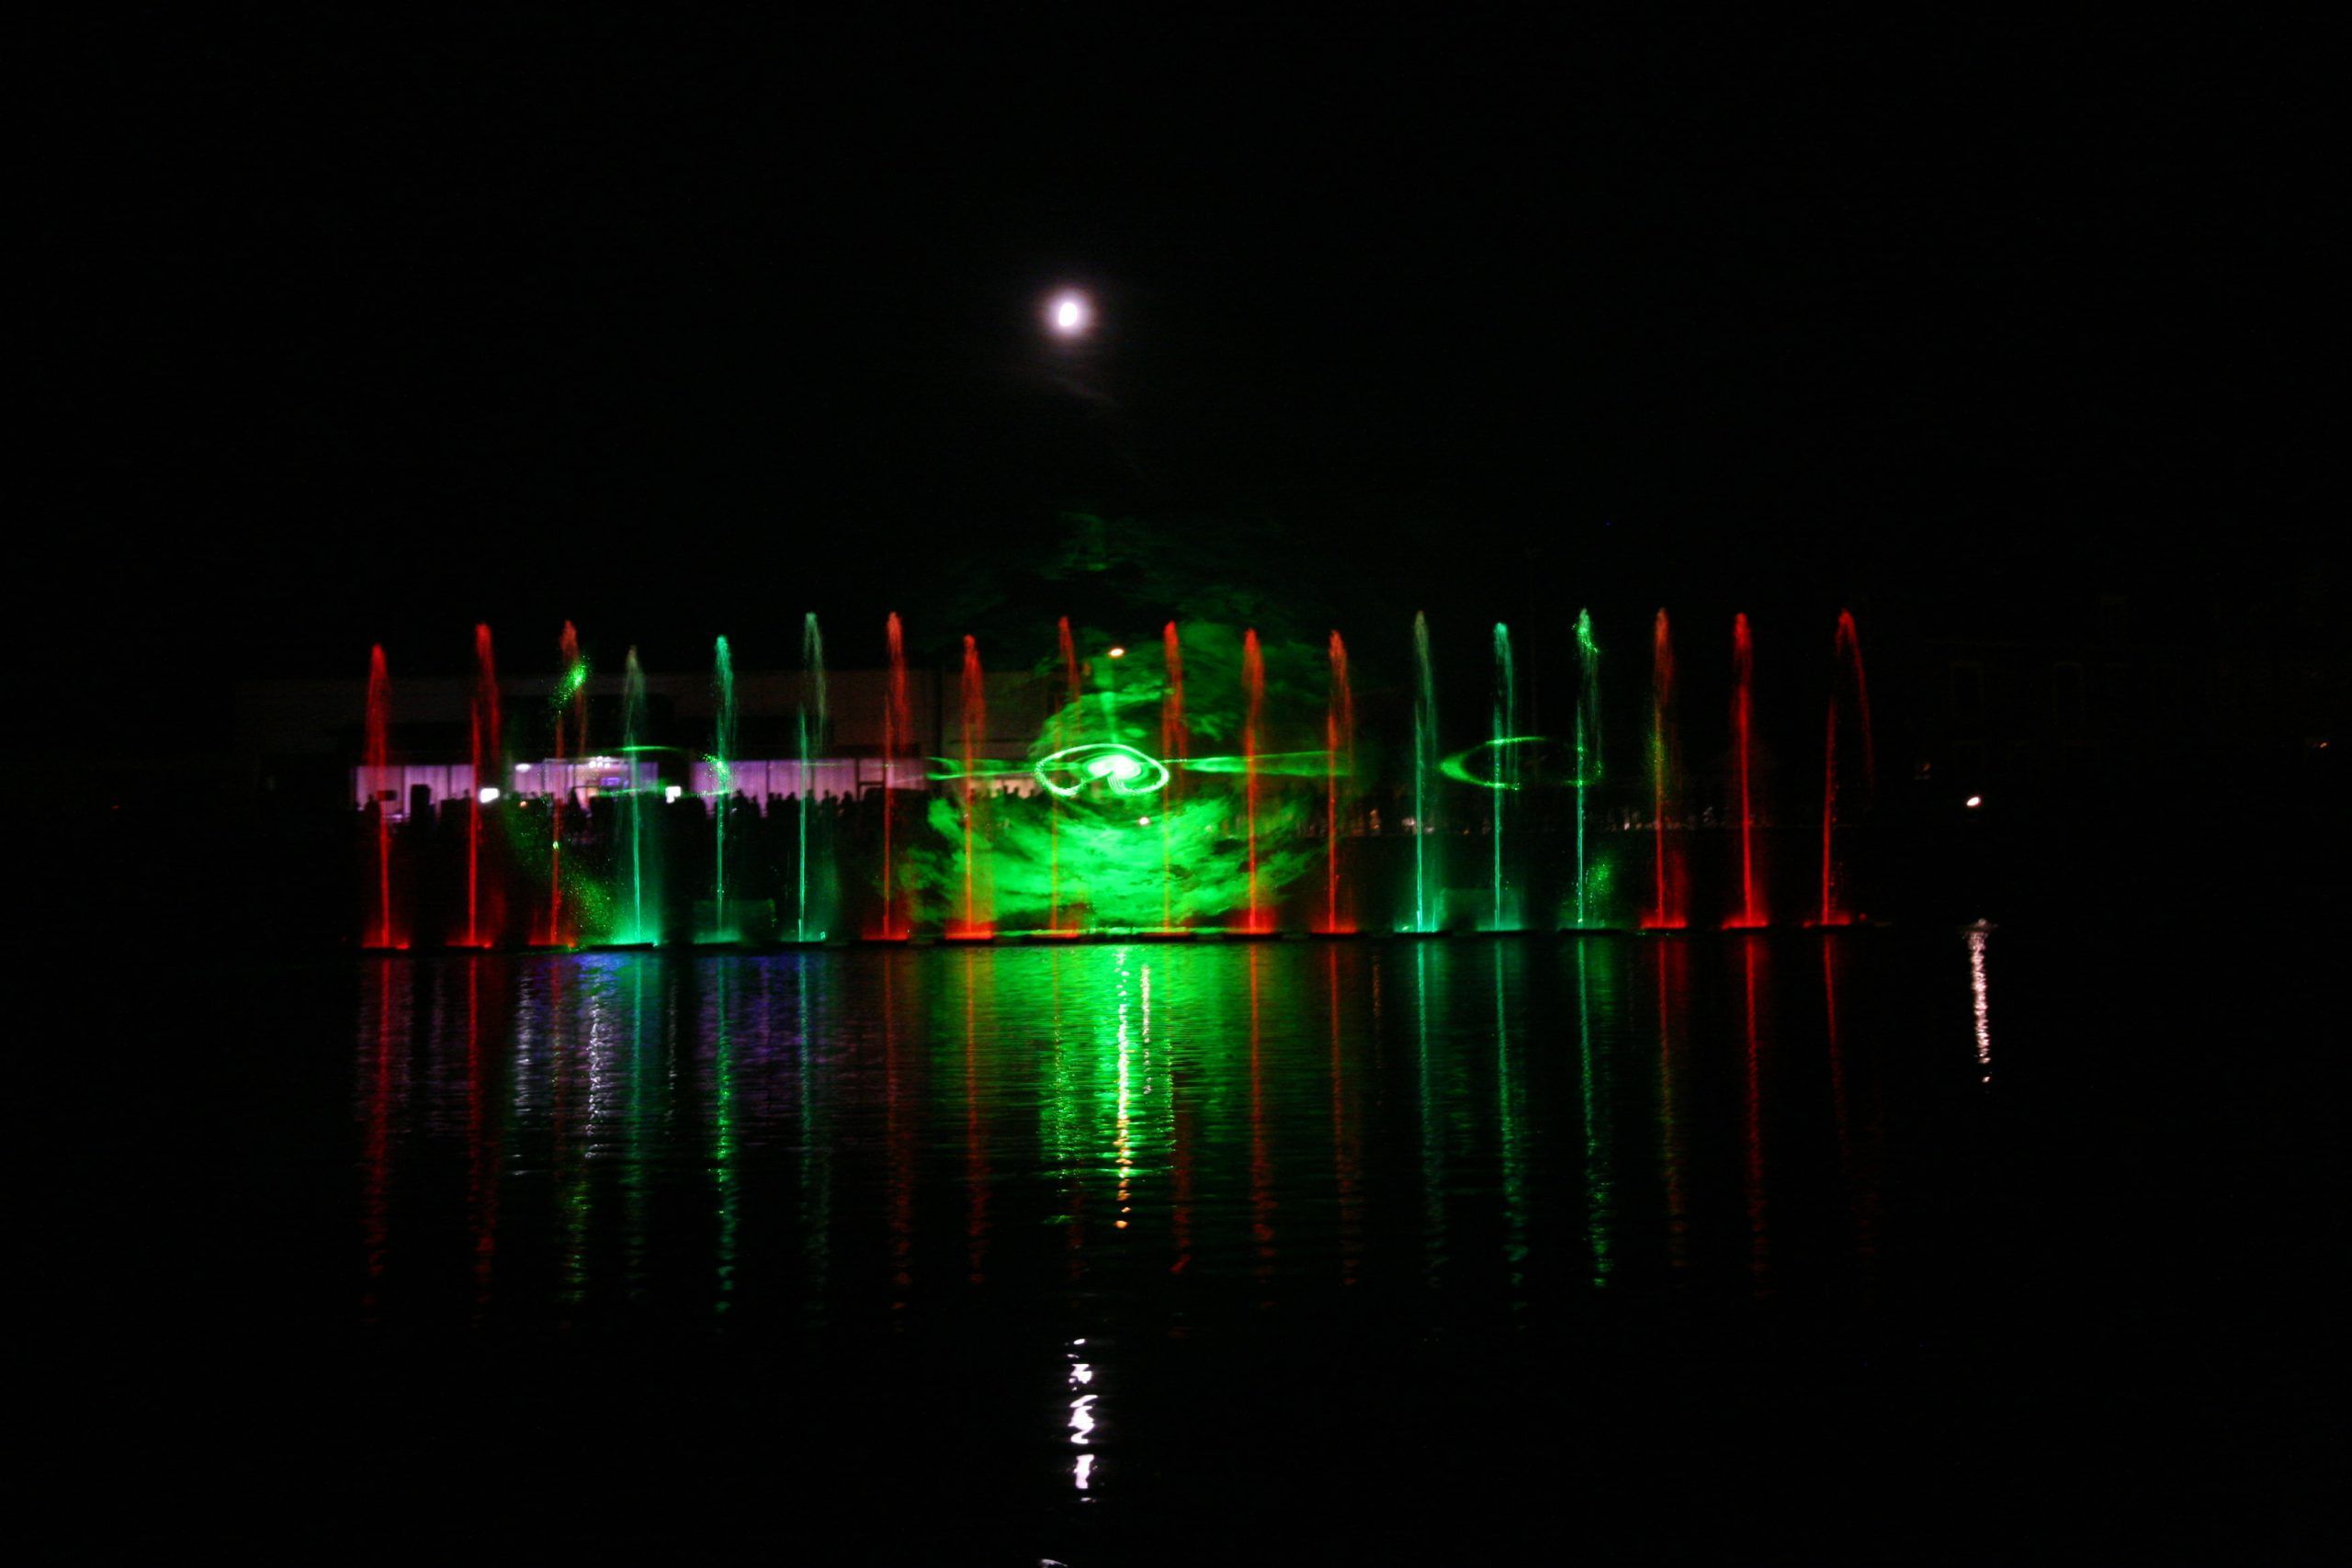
{"x": 898, "y": 1136}
{"x": 1856, "y": 1146}
{"x": 1261, "y": 1160}
{"x": 1672, "y": 960}
{"x": 380, "y": 1101}
{"x": 976, "y": 1137}
{"x": 1752, "y": 1119}
{"x": 1453, "y": 1128}
{"x": 481, "y": 1145}
{"x": 1347, "y": 1134}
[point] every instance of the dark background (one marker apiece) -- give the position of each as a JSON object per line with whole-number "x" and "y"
{"x": 364, "y": 328}
{"x": 345, "y": 329}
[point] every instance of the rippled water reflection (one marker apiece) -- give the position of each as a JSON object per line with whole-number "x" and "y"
{"x": 1876, "y": 1246}
{"x": 1089, "y": 1158}
{"x": 825, "y": 1135}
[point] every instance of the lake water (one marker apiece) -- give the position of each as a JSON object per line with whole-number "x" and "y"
{"x": 1783, "y": 1246}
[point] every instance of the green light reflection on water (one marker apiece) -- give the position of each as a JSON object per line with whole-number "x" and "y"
{"x": 1432, "y": 1127}
{"x": 1511, "y": 1118}
{"x": 633, "y": 1182}
{"x": 1598, "y": 1183}
{"x": 816, "y": 1144}
{"x": 724, "y": 1178}
{"x": 1084, "y": 1098}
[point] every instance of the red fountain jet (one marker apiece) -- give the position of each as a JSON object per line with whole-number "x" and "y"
{"x": 1338, "y": 763}
{"x": 1667, "y": 872}
{"x": 378, "y": 774}
{"x": 1846, "y": 684}
{"x": 1742, "y": 724}
{"x": 483, "y": 903}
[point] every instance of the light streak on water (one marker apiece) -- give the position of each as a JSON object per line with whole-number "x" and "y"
{"x": 1977, "y": 987}
{"x": 1082, "y": 1420}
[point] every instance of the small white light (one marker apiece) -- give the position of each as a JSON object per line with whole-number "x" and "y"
{"x": 1071, "y": 313}
{"x": 674, "y": 792}
{"x": 522, "y": 767}
{"x": 1118, "y": 654}
{"x": 1143, "y": 822}
{"x": 487, "y": 795}
{"x": 1974, "y": 801}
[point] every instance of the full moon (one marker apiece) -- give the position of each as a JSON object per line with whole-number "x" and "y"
{"x": 1070, "y": 314}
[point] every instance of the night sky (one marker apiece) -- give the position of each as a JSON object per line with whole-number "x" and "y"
{"x": 357, "y": 328}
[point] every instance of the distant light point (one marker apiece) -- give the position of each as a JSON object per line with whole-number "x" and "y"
{"x": 1071, "y": 314}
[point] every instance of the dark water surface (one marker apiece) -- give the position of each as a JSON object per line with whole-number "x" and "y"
{"x": 1896, "y": 1245}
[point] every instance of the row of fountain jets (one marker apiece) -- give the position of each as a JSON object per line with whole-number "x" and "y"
{"x": 1847, "y": 786}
